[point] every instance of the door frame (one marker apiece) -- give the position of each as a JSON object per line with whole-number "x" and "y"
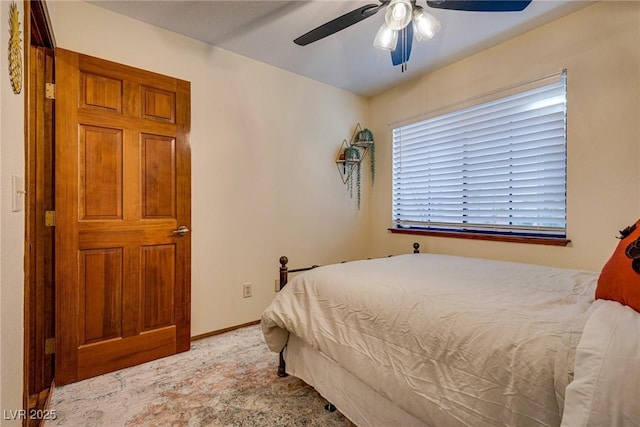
{"x": 37, "y": 32}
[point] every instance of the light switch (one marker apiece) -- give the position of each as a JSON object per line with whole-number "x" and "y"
{"x": 17, "y": 190}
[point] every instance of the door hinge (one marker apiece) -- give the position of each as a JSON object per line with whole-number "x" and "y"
{"x": 50, "y": 346}
{"x": 50, "y": 90}
{"x": 50, "y": 218}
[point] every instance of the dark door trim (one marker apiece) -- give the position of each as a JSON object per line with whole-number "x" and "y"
{"x": 37, "y": 32}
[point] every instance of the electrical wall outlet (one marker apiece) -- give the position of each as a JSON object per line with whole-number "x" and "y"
{"x": 277, "y": 285}
{"x": 247, "y": 290}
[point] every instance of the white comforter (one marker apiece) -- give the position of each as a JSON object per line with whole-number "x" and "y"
{"x": 453, "y": 340}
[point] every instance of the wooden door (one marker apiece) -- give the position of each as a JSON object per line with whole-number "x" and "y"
{"x": 123, "y": 189}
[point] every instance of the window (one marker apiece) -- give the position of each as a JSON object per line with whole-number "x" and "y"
{"x": 494, "y": 167}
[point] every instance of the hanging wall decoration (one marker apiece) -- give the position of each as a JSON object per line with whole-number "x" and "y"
{"x": 350, "y": 157}
{"x": 15, "y": 49}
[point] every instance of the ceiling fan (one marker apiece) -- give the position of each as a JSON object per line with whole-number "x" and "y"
{"x": 395, "y": 34}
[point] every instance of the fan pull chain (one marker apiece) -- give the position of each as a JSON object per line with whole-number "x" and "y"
{"x": 403, "y": 67}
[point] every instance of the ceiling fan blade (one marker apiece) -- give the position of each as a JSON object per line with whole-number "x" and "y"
{"x": 340, "y": 23}
{"x": 480, "y": 5}
{"x": 403, "y": 48}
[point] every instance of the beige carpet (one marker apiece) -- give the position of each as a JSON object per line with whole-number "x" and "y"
{"x": 226, "y": 380}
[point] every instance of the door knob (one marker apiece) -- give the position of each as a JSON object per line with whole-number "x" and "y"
{"x": 181, "y": 231}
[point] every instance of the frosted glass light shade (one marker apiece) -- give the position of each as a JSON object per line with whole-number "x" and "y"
{"x": 398, "y": 14}
{"x": 386, "y": 38}
{"x": 425, "y": 25}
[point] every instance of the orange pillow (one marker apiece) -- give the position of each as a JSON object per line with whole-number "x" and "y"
{"x": 620, "y": 277}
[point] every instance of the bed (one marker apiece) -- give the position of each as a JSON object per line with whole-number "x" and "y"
{"x": 437, "y": 340}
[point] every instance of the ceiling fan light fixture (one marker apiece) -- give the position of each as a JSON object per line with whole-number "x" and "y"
{"x": 425, "y": 25}
{"x": 386, "y": 38}
{"x": 398, "y": 14}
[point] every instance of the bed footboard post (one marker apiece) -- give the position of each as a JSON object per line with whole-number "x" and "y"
{"x": 284, "y": 275}
{"x": 284, "y": 271}
{"x": 282, "y": 366}
{"x": 416, "y": 248}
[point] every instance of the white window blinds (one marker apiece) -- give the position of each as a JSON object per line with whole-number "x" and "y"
{"x": 496, "y": 167}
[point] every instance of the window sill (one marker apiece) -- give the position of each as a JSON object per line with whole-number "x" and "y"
{"x": 551, "y": 241}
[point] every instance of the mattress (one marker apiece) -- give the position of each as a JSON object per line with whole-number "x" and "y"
{"x": 450, "y": 340}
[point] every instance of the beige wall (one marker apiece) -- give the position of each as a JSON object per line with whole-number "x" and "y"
{"x": 11, "y": 232}
{"x": 600, "y": 48}
{"x": 263, "y": 142}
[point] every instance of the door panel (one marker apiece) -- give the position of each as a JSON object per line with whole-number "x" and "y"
{"x": 159, "y": 178}
{"x": 100, "y": 92}
{"x": 100, "y": 173}
{"x": 158, "y": 104}
{"x": 123, "y": 177}
{"x": 101, "y": 273}
{"x": 158, "y": 284}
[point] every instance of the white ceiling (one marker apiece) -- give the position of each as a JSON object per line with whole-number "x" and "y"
{"x": 264, "y": 30}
